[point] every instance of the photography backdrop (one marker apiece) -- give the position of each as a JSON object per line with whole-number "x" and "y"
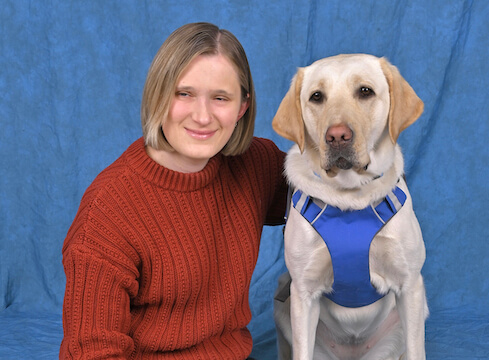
{"x": 71, "y": 78}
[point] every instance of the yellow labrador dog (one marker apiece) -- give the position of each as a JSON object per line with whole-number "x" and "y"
{"x": 353, "y": 245}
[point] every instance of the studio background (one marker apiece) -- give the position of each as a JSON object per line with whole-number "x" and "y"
{"x": 71, "y": 79}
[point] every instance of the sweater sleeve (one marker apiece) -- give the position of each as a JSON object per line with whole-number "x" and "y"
{"x": 96, "y": 315}
{"x": 276, "y": 213}
{"x": 101, "y": 280}
{"x": 273, "y": 171}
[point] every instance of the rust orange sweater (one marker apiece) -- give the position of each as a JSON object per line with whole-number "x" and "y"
{"x": 158, "y": 263}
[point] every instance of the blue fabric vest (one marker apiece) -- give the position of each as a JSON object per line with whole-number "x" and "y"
{"x": 348, "y": 235}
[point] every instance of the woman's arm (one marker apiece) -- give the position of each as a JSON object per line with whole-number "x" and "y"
{"x": 96, "y": 312}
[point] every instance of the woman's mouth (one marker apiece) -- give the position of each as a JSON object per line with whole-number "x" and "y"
{"x": 200, "y": 134}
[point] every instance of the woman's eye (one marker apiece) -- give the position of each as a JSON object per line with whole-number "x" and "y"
{"x": 317, "y": 97}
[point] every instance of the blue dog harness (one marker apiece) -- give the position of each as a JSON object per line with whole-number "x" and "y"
{"x": 348, "y": 235}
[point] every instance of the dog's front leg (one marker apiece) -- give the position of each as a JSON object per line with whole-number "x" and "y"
{"x": 413, "y": 311}
{"x": 304, "y": 308}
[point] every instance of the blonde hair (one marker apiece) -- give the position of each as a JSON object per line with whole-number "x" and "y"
{"x": 179, "y": 49}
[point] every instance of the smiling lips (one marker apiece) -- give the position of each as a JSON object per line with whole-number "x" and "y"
{"x": 200, "y": 134}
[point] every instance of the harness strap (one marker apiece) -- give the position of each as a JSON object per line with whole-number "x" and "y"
{"x": 348, "y": 235}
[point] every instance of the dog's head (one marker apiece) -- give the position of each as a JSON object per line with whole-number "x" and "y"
{"x": 341, "y": 109}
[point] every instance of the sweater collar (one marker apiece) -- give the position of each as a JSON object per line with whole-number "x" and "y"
{"x": 147, "y": 168}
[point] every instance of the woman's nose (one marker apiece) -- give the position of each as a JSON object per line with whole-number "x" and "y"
{"x": 201, "y": 112}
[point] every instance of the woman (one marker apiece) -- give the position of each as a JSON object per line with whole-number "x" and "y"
{"x": 159, "y": 258}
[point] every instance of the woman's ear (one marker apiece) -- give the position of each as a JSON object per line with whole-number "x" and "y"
{"x": 245, "y": 104}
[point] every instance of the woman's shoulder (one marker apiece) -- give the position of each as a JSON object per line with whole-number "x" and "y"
{"x": 102, "y": 208}
{"x": 265, "y": 150}
{"x": 263, "y": 159}
{"x": 119, "y": 167}
{"x": 264, "y": 146}
{"x": 263, "y": 142}
{"x": 108, "y": 183}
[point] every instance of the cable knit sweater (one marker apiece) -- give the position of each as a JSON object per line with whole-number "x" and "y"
{"x": 158, "y": 263}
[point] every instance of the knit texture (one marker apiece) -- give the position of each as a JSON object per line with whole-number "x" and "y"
{"x": 158, "y": 263}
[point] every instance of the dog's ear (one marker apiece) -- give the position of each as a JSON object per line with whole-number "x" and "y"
{"x": 405, "y": 107}
{"x": 288, "y": 121}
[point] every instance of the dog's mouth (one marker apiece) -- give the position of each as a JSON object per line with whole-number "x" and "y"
{"x": 339, "y": 160}
{"x": 335, "y": 160}
{"x": 343, "y": 164}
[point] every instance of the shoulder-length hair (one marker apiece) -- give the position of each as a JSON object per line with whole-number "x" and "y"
{"x": 179, "y": 49}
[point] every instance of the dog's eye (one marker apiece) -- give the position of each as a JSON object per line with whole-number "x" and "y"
{"x": 317, "y": 97}
{"x": 365, "y": 92}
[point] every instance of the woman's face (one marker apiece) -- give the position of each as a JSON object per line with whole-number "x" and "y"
{"x": 206, "y": 106}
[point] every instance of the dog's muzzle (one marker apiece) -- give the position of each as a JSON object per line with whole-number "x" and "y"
{"x": 340, "y": 152}
{"x": 340, "y": 159}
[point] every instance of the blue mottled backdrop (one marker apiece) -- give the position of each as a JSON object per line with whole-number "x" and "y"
{"x": 71, "y": 78}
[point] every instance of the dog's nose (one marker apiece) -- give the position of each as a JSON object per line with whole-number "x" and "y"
{"x": 339, "y": 136}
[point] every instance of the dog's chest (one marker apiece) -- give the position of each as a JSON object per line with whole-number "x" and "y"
{"x": 348, "y": 236}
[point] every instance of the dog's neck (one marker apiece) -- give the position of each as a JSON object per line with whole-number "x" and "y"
{"x": 348, "y": 190}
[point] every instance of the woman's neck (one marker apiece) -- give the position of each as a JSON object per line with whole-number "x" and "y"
{"x": 174, "y": 161}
